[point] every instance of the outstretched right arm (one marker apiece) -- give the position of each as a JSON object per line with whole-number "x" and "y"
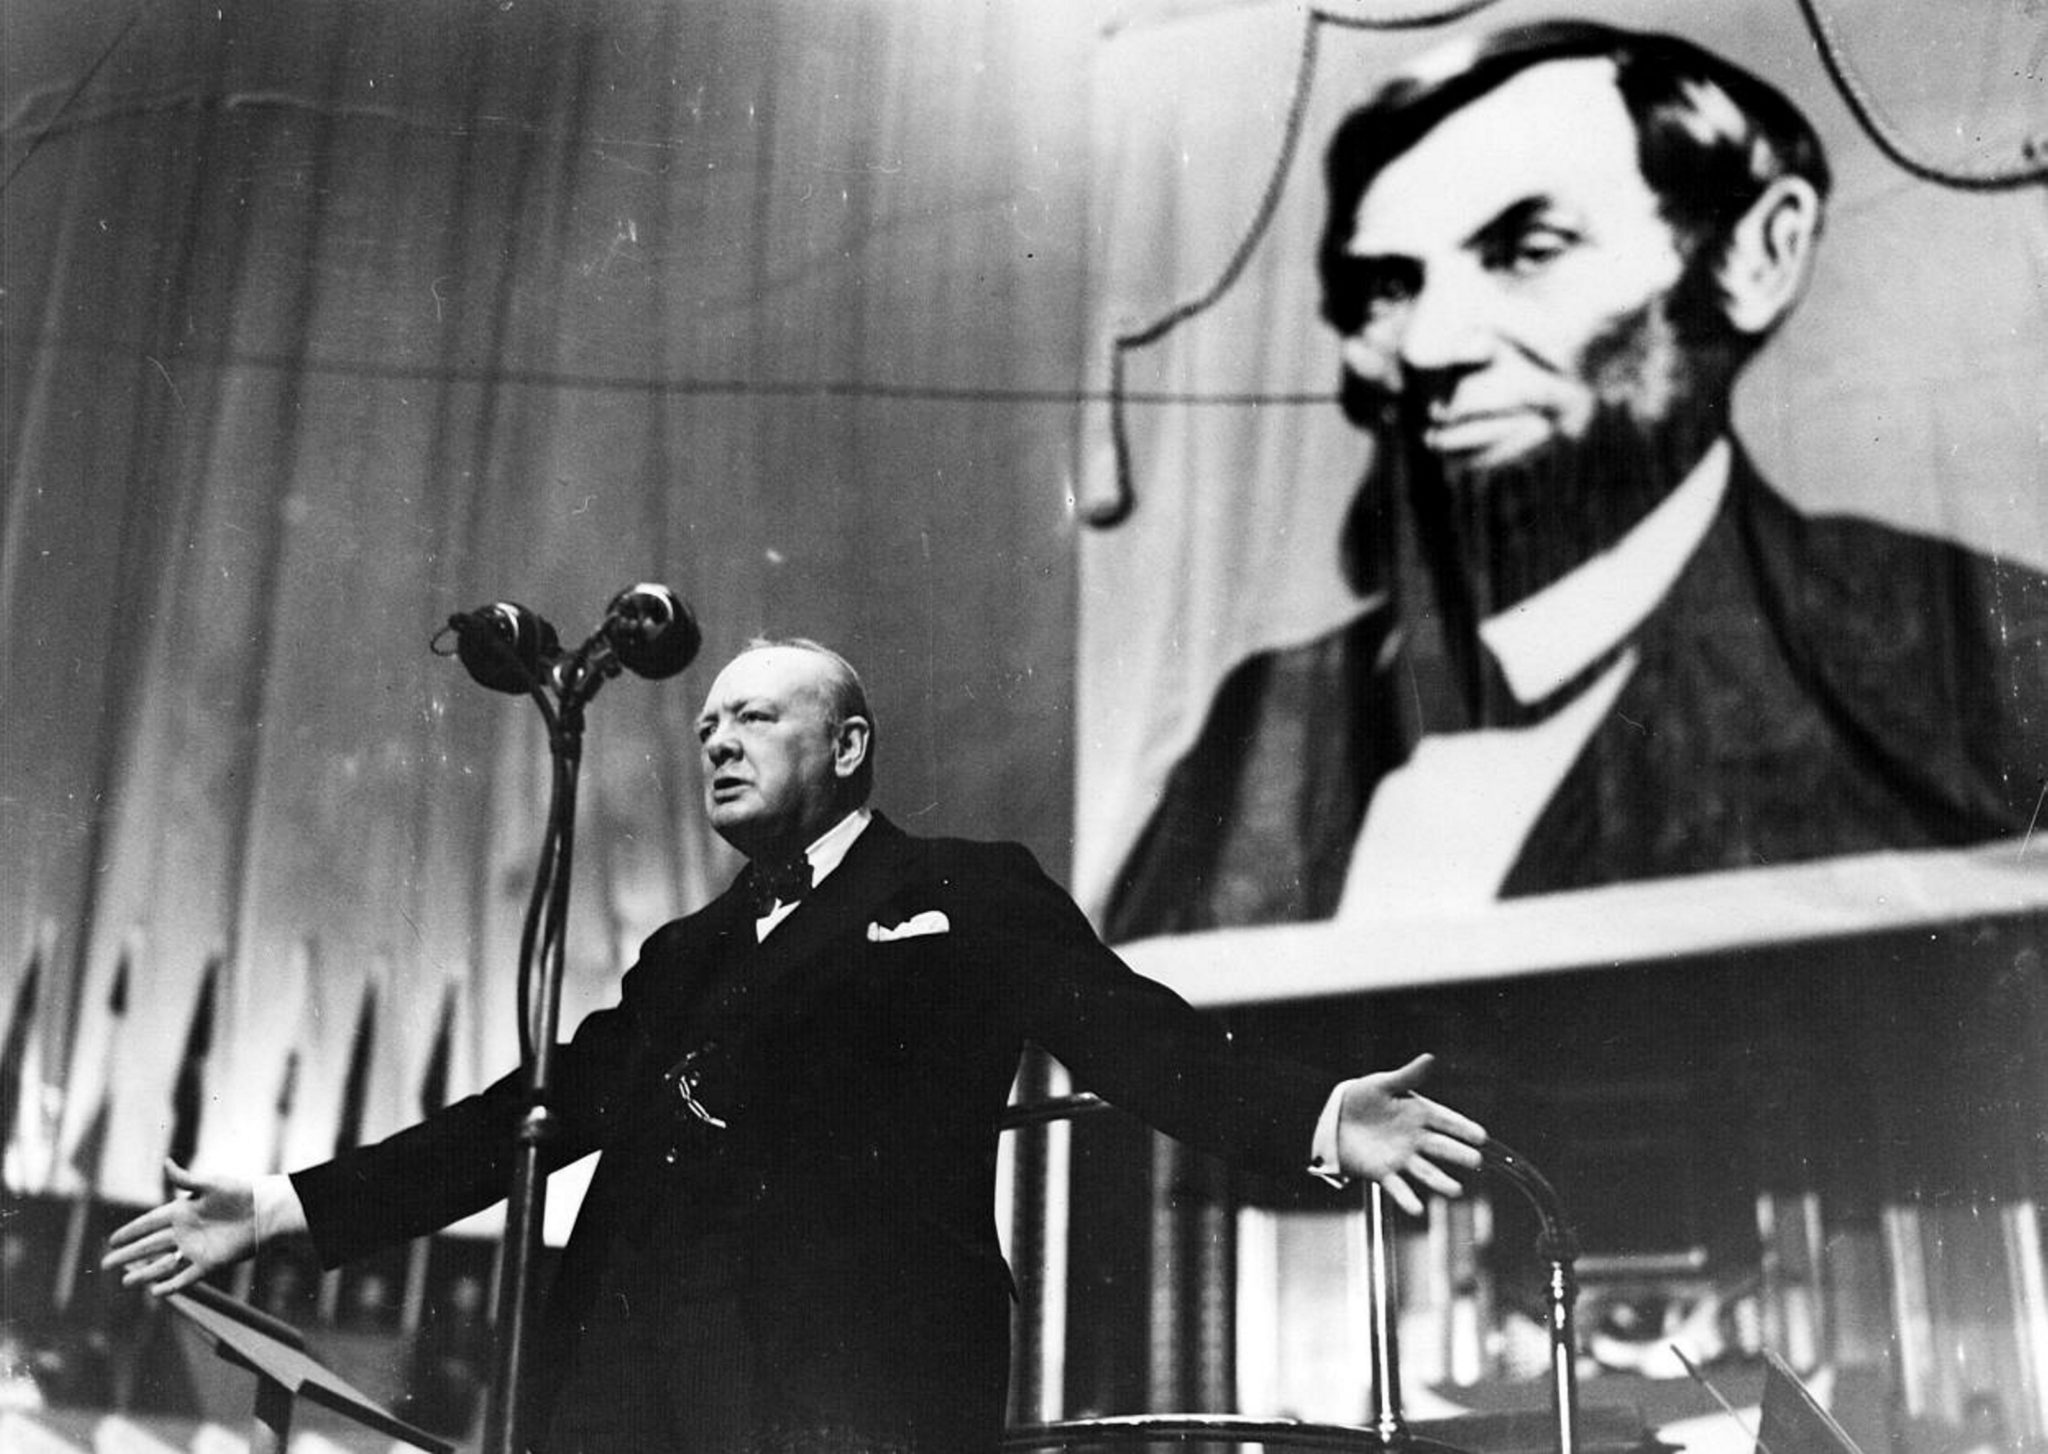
{"x": 455, "y": 1162}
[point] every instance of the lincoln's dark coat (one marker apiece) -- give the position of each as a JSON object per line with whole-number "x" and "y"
{"x": 1811, "y": 686}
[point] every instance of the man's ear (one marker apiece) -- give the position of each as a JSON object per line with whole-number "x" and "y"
{"x": 850, "y": 746}
{"x": 1769, "y": 255}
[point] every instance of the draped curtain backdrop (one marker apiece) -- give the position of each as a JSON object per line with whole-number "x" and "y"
{"x": 325, "y": 321}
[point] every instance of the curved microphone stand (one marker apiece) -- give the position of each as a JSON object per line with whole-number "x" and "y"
{"x": 540, "y": 996}
{"x": 574, "y": 680}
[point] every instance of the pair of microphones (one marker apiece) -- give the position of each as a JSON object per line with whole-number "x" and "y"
{"x": 647, "y": 630}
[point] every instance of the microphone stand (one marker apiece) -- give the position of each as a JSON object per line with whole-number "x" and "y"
{"x": 576, "y": 679}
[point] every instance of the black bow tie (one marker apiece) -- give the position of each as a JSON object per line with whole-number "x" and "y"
{"x": 771, "y": 883}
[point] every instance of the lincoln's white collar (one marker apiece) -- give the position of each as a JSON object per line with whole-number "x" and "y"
{"x": 1544, "y": 641}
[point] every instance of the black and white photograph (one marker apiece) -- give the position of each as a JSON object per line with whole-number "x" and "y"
{"x": 916, "y": 727}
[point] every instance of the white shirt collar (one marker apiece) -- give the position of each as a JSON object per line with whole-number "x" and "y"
{"x": 1544, "y": 641}
{"x": 831, "y": 845}
{"x": 825, "y": 854}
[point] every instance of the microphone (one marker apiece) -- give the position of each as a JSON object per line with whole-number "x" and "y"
{"x": 505, "y": 646}
{"x": 652, "y": 631}
{"x": 647, "y": 630}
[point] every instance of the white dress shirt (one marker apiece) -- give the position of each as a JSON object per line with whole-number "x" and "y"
{"x": 825, "y": 854}
{"x": 1445, "y": 828}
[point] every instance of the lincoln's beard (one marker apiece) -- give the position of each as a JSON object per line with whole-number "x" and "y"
{"x": 1512, "y": 529}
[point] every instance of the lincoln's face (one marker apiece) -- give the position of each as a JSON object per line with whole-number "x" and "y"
{"x": 1514, "y": 271}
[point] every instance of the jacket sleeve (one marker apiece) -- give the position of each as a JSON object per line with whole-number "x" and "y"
{"x": 1131, "y": 1039}
{"x": 461, "y": 1159}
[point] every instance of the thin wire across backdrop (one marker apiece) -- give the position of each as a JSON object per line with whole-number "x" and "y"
{"x": 326, "y": 321}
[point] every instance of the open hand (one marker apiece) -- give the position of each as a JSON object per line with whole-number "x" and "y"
{"x": 1388, "y": 1133}
{"x": 211, "y": 1224}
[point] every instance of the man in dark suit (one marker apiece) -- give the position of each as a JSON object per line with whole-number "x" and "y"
{"x": 789, "y": 1243}
{"x": 1548, "y": 254}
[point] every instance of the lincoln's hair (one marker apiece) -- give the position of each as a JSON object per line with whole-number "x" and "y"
{"x": 845, "y": 697}
{"x": 1710, "y": 135}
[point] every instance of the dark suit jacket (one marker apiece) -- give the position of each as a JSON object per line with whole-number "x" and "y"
{"x": 1811, "y": 686}
{"x": 862, "y": 1082}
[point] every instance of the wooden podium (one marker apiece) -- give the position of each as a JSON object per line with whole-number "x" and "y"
{"x": 276, "y": 1353}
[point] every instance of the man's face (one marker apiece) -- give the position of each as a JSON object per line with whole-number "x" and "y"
{"x": 1514, "y": 271}
{"x": 771, "y": 774}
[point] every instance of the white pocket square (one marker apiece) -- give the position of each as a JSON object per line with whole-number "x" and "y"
{"x": 931, "y": 921}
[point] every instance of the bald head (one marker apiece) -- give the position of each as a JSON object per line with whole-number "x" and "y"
{"x": 786, "y": 738}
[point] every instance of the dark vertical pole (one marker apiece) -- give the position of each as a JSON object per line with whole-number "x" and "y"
{"x": 270, "y": 1432}
{"x": 1029, "y": 1243}
{"x": 506, "y": 1422}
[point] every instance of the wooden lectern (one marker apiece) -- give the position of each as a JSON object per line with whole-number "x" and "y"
{"x": 276, "y": 1353}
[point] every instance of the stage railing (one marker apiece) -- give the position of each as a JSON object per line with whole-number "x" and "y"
{"x": 1388, "y": 1430}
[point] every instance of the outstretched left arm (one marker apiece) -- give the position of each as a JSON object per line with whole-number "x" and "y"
{"x": 1387, "y": 1133}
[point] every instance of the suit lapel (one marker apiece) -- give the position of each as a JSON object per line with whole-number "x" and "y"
{"x": 877, "y": 864}
{"x": 713, "y": 963}
{"x": 694, "y": 958}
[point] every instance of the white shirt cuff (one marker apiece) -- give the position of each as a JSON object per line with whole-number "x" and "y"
{"x": 1323, "y": 1159}
{"x": 279, "y": 1213}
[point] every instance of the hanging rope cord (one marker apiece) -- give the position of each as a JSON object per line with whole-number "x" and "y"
{"x": 2032, "y": 163}
{"x": 77, "y": 89}
{"x": 1105, "y": 513}
{"x": 1392, "y": 18}
{"x": 2031, "y": 166}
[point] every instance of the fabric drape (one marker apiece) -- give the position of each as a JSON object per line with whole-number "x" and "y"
{"x": 327, "y": 321}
